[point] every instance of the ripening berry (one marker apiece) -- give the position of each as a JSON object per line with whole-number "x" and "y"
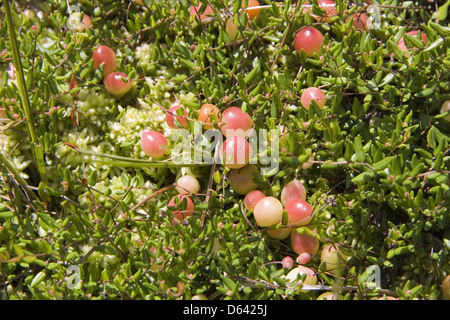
{"x": 402, "y": 45}
{"x": 280, "y": 234}
{"x": 296, "y": 274}
{"x": 241, "y": 180}
{"x": 308, "y": 39}
{"x": 172, "y": 113}
{"x": 235, "y": 122}
{"x": 232, "y": 29}
{"x": 188, "y": 184}
{"x": 268, "y": 211}
{"x": 202, "y": 16}
{"x": 235, "y": 152}
{"x": 252, "y": 9}
{"x": 327, "y": 296}
{"x": 446, "y": 288}
{"x": 446, "y": 107}
{"x": 292, "y": 190}
{"x": 183, "y": 202}
{"x": 304, "y": 242}
{"x": 104, "y": 54}
{"x": 117, "y": 83}
{"x": 208, "y": 115}
{"x": 334, "y": 259}
{"x": 154, "y": 144}
{"x": 252, "y": 198}
{"x": 361, "y": 21}
{"x": 287, "y": 262}
{"x": 299, "y": 211}
{"x": 313, "y": 93}
{"x": 303, "y": 258}
{"x": 80, "y": 24}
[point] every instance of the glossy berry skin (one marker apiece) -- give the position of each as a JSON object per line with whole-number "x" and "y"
{"x": 297, "y": 273}
{"x": 241, "y": 180}
{"x": 235, "y": 152}
{"x": 313, "y": 93}
{"x": 446, "y": 107}
{"x": 235, "y": 122}
{"x": 268, "y": 212}
{"x": 188, "y": 184}
{"x": 204, "y": 115}
{"x": 252, "y": 198}
{"x": 172, "y": 113}
{"x": 252, "y": 9}
{"x": 104, "y": 54}
{"x": 287, "y": 262}
{"x": 402, "y": 45}
{"x": 176, "y": 202}
{"x": 280, "y": 234}
{"x": 294, "y": 189}
{"x": 203, "y": 17}
{"x": 154, "y": 144}
{"x": 304, "y": 242}
{"x": 308, "y": 39}
{"x": 117, "y": 83}
{"x": 299, "y": 212}
{"x": 333, "y": 259}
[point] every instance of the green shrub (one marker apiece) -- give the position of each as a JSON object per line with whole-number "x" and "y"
{"x": 77, "y": 189}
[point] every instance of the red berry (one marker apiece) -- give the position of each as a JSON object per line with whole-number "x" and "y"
{"x": 292, "y": 190}
{"x": 117, "y": 83}
{"x": 177, "y": 202}
{"x": 313, "y": 93}
{"x": 299, "y": 212}
{"x": 308, "y": 39}
{"x": 104, "y": 54}
{"x": 304, "y": 242}
{"x": 154, "y": 144}
{"x": 235, "y": 122}
{"x": 252, "y": 198}
{"x": 241, "y": 180}
{"x": 360, "y": 22}
{"x": 172, "y": 113}
{"x": 235, "y": 152}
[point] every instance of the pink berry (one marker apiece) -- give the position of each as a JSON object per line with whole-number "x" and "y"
{"x": 252, "y": 198}
{"x": 104, "y": 54}
{"x": 292, "y": 190}
{"x": 202, "y": 16}
{"x": 235, "y": 122}
{"x": 117, "y": 83}
{"x": 313, "y": 93}
{"x": 172, "y": 113}
{"x": 188, "y": 185}
{"x": 287, "y": 262}
{"x": 303, "y": 258}
{"x": 208, "y": 115}
{"x": 177, "y": 202}
{"x": 402, "y": 44}
{"x": 154, "y": 144}
{"x": 308, "y": 39}
{"x": 268, "y": 212}
{"x": 280, "y": 233}
{"x": 299, "y": 212}
{"x": 241, "y": 180}
{"x": 304, "y": 242}
{"x": 235, "y": 152}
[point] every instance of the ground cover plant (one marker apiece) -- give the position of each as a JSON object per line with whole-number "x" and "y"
{"x": 105, "y": 104}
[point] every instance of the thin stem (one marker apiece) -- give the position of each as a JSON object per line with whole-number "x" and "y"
{"x": 35, "y": 145}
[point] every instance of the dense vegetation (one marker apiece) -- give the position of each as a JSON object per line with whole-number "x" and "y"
{"x": 78, "y": 190}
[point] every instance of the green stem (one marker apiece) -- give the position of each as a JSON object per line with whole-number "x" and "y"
{"x": 36, "y": 146}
